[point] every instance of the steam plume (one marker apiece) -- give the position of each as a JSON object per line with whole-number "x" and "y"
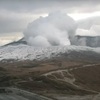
{"x": 55, "y": 29}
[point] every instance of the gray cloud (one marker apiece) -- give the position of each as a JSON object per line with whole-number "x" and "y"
{"x": 11, "y": 25}
{"x": 88, "y": 22}
{"x": 14, "y": 22}
{"x": 39, "y": 6}
{"x": 14, "y": 13}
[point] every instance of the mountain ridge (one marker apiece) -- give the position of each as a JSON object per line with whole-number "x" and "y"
{"x": 25, "y": 52}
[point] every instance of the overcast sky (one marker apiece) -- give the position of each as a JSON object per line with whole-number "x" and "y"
{"x": 16, "y": 14}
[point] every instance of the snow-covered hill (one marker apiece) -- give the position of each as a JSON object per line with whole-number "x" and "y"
{"x": 25, "y": 52}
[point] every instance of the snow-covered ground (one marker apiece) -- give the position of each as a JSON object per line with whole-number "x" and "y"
{"x": 25, "y": 52}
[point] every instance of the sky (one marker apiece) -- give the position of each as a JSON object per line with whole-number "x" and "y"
{"x": 15, "y": 15}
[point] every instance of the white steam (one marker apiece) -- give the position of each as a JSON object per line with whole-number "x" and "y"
{"x": 55, "y": 29}
{"x": 89, "y": 37}
{"x": 92, "y": 32}
{"x": 83, "y": 32}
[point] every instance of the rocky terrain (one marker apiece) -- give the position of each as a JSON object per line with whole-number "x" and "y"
{"x": 18, "y": 94}
{"x": 68, "y": 73}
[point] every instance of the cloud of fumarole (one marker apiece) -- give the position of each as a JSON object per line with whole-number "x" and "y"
{"x": 55, "y": 29}
{"x": 89, "y": 37}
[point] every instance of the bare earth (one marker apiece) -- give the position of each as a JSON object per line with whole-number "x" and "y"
{"x": 56, "y": 79}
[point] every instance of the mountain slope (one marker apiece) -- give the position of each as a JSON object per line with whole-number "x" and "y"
{"x": 20, "y": 41}
{"x": 54, "y": 71}
{"x": 25, "y": 52}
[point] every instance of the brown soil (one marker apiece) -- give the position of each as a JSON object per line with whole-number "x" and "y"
{"x": 87, "y": 79}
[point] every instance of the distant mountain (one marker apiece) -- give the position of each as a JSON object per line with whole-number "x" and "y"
{"x": 90, "y": 41}
{"x": 25, "y": 52}
{"x": 15, "y": 43}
